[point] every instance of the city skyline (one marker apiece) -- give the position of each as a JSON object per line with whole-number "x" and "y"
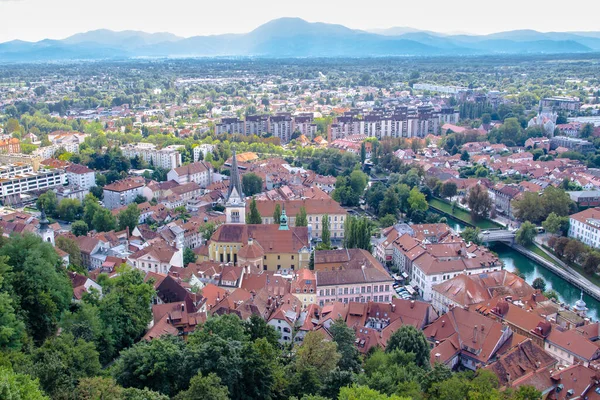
{"x": 63, "y": 18}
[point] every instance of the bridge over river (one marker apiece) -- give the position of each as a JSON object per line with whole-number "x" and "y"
{"x": 497, "y": 235}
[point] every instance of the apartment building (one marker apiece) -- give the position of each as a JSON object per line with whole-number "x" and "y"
{"x": 19, "y": 158}
{"x": 575, "y": 144}
{"x": 230, "y": 126}
{"x": 10, "y": 146}
{"x": 203, "y": 149}
{"x": 585, "y": 226}
{"x": 167, "y": 158}
{"x": 304, "y": 123}
{"x": 11, "y": 188}
{"x": 282, "y": 126}
{"x": 123, "y": 192}
{"x": 348, "y": 275}
{"x": 10, "y": 170}
{"x": 81, "y": 176}
{"x": 256, "y": 125}
{"x": 561, "y": 103}
{"x": 198, "y": 172}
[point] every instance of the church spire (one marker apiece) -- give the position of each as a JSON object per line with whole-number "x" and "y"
{"x": 235, "y": 184}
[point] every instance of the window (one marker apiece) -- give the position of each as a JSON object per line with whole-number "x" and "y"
{"x": 292, "y": 256}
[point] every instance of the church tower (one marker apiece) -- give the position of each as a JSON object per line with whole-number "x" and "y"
{"x": 235, "y": 205}
{"x": 45, "y": 232}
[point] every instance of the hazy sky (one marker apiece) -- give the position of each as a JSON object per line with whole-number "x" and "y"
{"x": 56, "y": 19}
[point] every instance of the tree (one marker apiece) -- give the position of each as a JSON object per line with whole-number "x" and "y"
{"x": 129, "y": 218}
{"x": 48, "y": 202}
{"x": 527, "y": 393}
{"x": 277, "y": 214}
{"x": 554, "y": 224}
{"x": 252, "y": 184}
{"x": 207, "y": 230}
{"x": 254, "y": 216}
{"x": 449, "y": 189}
{"x": 103, "y": 220}
{"x": 363, "y": 152}
{"x": 551, "y": 294}
{"x": 61, "y": 362}
{"x": 97, "y": 192}
{"x": 526, "y": 233}
{"x": 12, "y": 329}
{"x": 358, "y": 181}
{"x": 157, "y": 365}
{"x": 206, "y": 388}
{"x": 15, "y": 386}
{"x": 529, "y": 207}
{"x": 90, "y": 207}
{"x": 410, "y": 340}
{"x": 479, "y": 202}
{"x": 464, "y": 156}
{"x": 189, "y": 256}
{"x": 387, "y": 220}
{"x": 539, "y": 283}
{"x": 37, "y": 283}
{"x": 357, "y": 233}
{"x": 317, "y": 353}
{"x": 79, "y": 228}
{"x": 256, "y": 328}
{"x": 301, "y": 219}
{"x": 72, "y": 247}
{"x": 139, "y": 199}
{"x": 591, "y": 263}
{"x": 471, "y": 235}
{"x": 344, "y": 337}
{"x": 326, "y": 233}
{"x": 365, "y": 393}
{"x": 417, "y": 201}
{"x": 574, "y": 251}
{"x": 390, "y": 203}
{"x": 69, "y": 209}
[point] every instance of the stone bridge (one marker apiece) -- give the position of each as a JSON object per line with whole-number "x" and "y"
{"x": 497, "y": 235}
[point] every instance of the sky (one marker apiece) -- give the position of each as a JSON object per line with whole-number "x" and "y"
{"x": 34, "y": 20}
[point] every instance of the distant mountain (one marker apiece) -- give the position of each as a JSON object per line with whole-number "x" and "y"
{"x": 295, "y": 37}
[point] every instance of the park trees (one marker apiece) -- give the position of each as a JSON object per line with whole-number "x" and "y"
{"x": 526, "y": 233}
{"x": 410, "y": 340}
{"x": 129, "y": 217}
{"x": 301, "y": 219}
{"x": 251, "y": 184}
{"x": 479, "y": 202}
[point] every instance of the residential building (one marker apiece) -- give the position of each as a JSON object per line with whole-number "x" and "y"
{"x": 81, "y": 176}
{"x": 585, "y": 226}
{"x": 586, "y": 198}
{"x": 304, "y": 287}
{"x": 10, "y": 146}
{"x": 17, "y": 158}
{"x": 281, "y": 126}
{"x": 579, "y": 145}
{"x": 351, "y": 275}
{"x": 198, "y": 172}
{"x": 230, "y": 126}
{"x": 203, "y": 149}
{"x": 256, "y": 125}
{"x": 561, "y": 103}
{"x": 12, "y": 188}
{"x": 304, "y": 123}
{"x": 157, "y": 257}
{"x": 123, "y": 192}
{"x": 167, "y": 158}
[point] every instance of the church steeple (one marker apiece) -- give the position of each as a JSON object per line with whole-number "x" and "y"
{"x": 235, "y": 193}
{"x": 235, "y": 205}
{"x": 44, "y": 230}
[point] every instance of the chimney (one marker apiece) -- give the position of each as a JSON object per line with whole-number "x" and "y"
{"x": 182, "y": 307}
{"x": 412, "y": 304}
{"x": 443, "y": 322}
{"x": 438, "y": 357}
{"x": 475, "y": 334}
{"x": 393, "y": 307}
{"x": 508, "y": 377}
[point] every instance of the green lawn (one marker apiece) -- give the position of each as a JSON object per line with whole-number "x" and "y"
{"x": 461, "y": 215}
{"x": 535, "y": 249}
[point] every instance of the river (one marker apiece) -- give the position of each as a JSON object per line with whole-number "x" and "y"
{"x": 512, "y": 260}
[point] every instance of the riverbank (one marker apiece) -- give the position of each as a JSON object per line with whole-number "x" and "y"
{"x": 461, "y": 215}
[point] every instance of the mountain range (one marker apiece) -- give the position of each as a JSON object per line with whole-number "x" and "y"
{"x": 294, "y": 37}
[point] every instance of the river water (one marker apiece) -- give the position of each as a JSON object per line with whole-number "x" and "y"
{"x": 512, "y": 260}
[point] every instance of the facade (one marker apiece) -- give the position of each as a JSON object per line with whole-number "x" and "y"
{"x": 81, "y": 176}
{"x": 198, "y": 172}
{"x": 29, "y": 159}
{"x": 164, "y": 158}
{"x": 156, "y": 258}
{"x": 256, "y": 125}
{"x": 10, "y": 146}
{"x": 203, "y": 149}
{"x": 561, "y": 103}
{"x": 316, "y": 209}
{"x": 585, "y": 227}
{"x": 123, "y": 192}
{"x": 281, "y": 126}
{"x": 579, "y": 145}
{"x": 304, "y": 123}
{"x": 230, "y": 126}
{"x": 348, "y": 275}
{"x": 11, "y": 188}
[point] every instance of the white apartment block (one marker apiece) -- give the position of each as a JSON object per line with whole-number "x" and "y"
{"x": 281, "y": 126}
{"x": 81, "y": 176}
{"x": 167, "y": 158}
{"x": 198, "y": 172}
{"x": 11, "y": 188}
{"x": 8, "y": 171}
{"x": 123, "y": 192}
{"x": 204, "y": 149}
{"x": 585, "y": 226}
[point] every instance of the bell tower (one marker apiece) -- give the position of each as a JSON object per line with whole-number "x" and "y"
{"x": 235, "y": 205}
{"x": 45, "y": 232}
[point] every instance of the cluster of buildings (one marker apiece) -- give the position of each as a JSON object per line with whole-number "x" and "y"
{"x": 281, "y": 125}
